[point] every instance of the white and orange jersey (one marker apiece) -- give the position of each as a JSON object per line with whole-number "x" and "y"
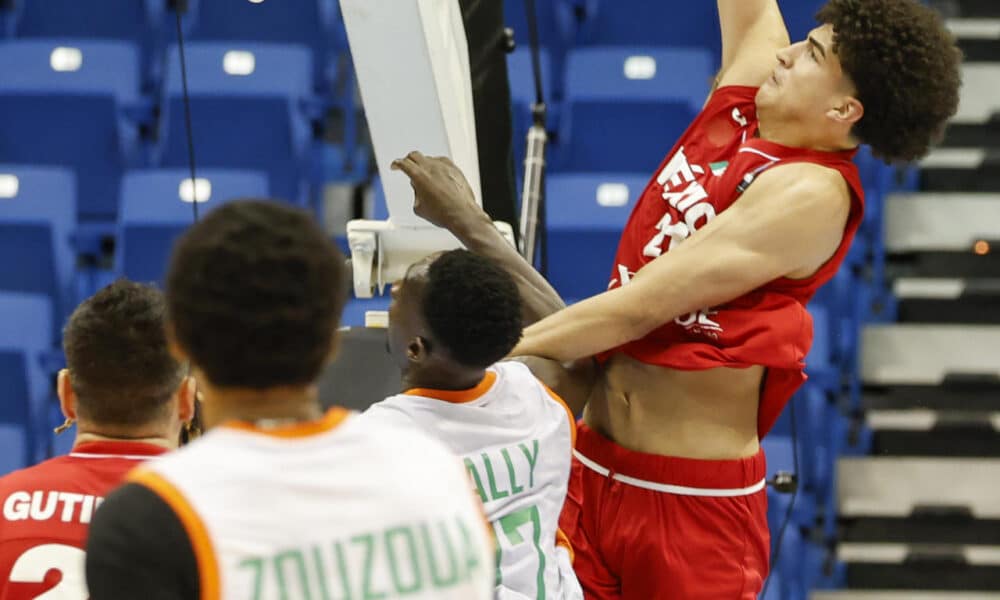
{"x": 329, "y": 507}
{"x": 516, "y": 438}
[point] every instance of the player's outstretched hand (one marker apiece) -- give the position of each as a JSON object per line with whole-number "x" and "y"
{"x": 442, "y": 195}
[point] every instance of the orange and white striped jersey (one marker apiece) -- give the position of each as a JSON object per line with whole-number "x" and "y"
{"x": 332, "y": 508}
{"x": 516, "y": 438}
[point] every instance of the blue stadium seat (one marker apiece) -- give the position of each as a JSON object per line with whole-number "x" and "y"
{"x": 800, "y": 16}
{"x": 156, "y": 208}
{"x": 25, "y": 340}
{"x": 64, "y": 102}
{"x": 585, "y": 218}
{"x": 522, "y": 96}
{"x": 653, "y": 23}
{"x": 37, "y": 215}
{"x": 131, "y": 20}
{"x": 355, "y": 309}
{"x": 779, "y": 450}
{"x": 626, "y": 107}
{"x": 307, "y": 22}
{"x": 12, "y": 448}
{"x": 556, "y": 23}
{"x": 246, "y": 111}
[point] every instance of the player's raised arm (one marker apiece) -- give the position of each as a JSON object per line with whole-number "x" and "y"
{"x": 443, "y": 197}
{"x": 752, "y": 32}
{"x": 787, "y": 224}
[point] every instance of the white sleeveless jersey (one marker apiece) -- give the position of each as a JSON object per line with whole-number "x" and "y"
{"x": 331, "y": 509}
{"x": 516, "y": 439}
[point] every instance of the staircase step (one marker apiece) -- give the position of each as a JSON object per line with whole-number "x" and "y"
{"x": 979, "y": 39}
{"x": 902, "y": 487}
{"x": 961, "y": 169}
{"x": 941, "y": 222}
{"x": 967, "y": 8}
{"x": 921, "y": 567}
{"x": 971, "y": 394}
{"x": 955, "y": 529}
{"x": 921, "y": 354}
{"x": 920, "y": 432}
{"x": 979, "y": 110}
{"x": 896, "y": 595}
{"x": 947, "y": 300}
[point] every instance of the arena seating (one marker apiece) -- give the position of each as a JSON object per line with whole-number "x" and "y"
{"x": 585, "y": 217}
{"x": 246, "y": 111}
{"x": 65, "y": 102}
{"x": 25, "y": 333}
{"x": 617, "y": 96}
{"x": 312, "y": 23}
{"x": 37, "y": 218}
{"x": 156, "y": 208}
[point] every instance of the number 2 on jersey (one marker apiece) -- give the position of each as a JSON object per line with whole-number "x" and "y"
{"x": 34, "y": 564}
{"x": 510, "y": 526}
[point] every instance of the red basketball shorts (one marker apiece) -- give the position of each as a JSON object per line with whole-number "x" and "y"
{"x": 645, "y": 526}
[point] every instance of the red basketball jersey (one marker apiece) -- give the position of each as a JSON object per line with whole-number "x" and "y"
{"x": 47, "y": 509}
{"x": 713, "y": 163}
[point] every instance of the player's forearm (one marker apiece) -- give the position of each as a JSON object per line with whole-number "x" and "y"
{"x": 477, "y": 233}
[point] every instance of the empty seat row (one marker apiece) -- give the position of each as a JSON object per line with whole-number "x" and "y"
{"x": 78, "y": 104}
{"x": 151, "y": 24}
{"x": 568, "y": 23}
{"x": 37, "y": 224}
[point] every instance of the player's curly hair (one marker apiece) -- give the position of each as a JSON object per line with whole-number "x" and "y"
{"x": 472, "y": 307}
{"x": 906, "y": 68}
{"x": 117, "y": 356}
{"x": 254, "y": 295}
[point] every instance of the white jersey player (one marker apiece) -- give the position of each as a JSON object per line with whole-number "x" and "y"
{"x": 452, "y": 316}
{"x": 278, "y": 500}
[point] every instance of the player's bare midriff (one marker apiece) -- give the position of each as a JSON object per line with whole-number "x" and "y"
{"x": 709, "y": 414}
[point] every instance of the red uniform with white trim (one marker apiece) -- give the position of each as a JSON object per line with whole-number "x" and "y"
{"x": 47, "y": 510}
{"x": 698, "y": 529}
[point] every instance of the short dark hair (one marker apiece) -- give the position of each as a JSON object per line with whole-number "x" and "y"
{"x": 117, "y": 356}
{"x": 254, "y": 295}
{"x": 472, "y": 306}
{"x": 906, "y": 68}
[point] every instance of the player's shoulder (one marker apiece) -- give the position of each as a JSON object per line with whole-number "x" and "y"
{"x": 47, "y": 472}
{"x": 807, "y": 178}
{"x": 394, "y": 433}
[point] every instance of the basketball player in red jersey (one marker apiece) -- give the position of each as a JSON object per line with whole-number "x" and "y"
{"x": 700, "y": 340}
{"x": 129, "y": 399}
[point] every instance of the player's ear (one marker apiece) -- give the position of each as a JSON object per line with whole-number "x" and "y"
{"x": 186, "y": 394}
{"x": 417, "y": 349}
{"x": 849, "y": 111}
{"x": 67, "y": 395}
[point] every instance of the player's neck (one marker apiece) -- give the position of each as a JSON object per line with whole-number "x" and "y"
{"x": 795, "y": 134}
{"x": 285, "y": 404}
{"x": 87, "y": 436}
{"x": 443, "y": 378}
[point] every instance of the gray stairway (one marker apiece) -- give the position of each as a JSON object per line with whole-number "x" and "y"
{"x": 920, "y": 517}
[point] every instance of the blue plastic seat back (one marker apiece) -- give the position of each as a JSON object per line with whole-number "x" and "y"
{"x": 26, "y": 333}
{"x": 800, "y": 17}
{"x": 626, "y": 107}
{"x": 133, "y": 20}
{"x": 585, "y": 217}
{"x": 12, "y": 447}
{"x": 61, "y": 103}
{"x": 556, "y": 23}
{"x": 645, "y": 22}
{"x": 37, "y": 216}
{"x": 522, "y": 96}
{"x": 246, "y": 102}
{"x": 156, "y": 209}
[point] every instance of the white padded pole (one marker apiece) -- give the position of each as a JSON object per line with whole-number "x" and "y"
{"x": 412, "y": 64}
